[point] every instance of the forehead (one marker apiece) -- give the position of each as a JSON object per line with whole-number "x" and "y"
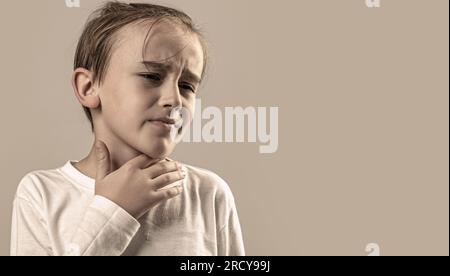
{"x": 164, "y": 41}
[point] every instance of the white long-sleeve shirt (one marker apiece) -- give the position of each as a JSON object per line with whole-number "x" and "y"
{"x": 56, "y": 212}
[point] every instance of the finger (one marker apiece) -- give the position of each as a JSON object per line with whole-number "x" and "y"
{"x": 161, "y": 168}
{"x": 167, "y": 179}
{"x": 141, "y": 161}
{"x": 151, "y": 163}
{"x": 103, "y": 160}
{"x": 169, "y": 193}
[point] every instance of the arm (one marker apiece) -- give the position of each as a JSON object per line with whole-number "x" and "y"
{"x": 230, "y": 241}
{"x": 28, "y": 231}
{"x": 105, "y": 229}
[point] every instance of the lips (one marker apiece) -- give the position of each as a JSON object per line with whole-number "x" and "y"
{"x": 161, "y": 123}
{"x": 164, "y": 126}
{"x": 167, "y": 121}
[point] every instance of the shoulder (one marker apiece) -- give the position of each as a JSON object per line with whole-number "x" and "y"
{"x": 208, "y": 182}
{"x": 35, "y": 186}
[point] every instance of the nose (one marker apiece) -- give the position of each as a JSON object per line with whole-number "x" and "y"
{"x": 170, "y": 96}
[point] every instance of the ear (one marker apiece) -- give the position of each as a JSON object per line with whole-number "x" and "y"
{"x": 84, "y": 88}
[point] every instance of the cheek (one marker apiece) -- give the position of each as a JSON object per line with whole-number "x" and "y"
{"x": 132, "y": 100}
{"x": 113, "y": 101}
{"x": 189, "y": 106}
{"x": 124, "y": 111}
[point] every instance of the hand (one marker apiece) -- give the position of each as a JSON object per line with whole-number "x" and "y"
{"x": 136, "y": 185}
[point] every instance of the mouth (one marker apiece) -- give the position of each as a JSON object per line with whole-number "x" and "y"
{"x": 165, "y": 125}
{"x": 161, "y": 125}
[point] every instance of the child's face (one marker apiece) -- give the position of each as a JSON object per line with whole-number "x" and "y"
{"x": 132, "y": 94}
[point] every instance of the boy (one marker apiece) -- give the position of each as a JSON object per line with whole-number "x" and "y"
{"x": 135, "y": 64}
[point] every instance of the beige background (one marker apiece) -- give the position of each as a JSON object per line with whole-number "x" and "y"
{"x": 363, "y": 127}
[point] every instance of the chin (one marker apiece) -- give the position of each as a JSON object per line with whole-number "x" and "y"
{"x": 159, "y": 151}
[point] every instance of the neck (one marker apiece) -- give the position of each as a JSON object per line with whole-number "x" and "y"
{"x": 119, "y": 154}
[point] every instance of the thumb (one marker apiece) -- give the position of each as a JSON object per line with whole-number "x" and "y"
{"x": 103, "y": 160}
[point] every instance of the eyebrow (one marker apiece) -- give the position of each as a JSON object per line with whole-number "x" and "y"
{"x": 166, "y": 66}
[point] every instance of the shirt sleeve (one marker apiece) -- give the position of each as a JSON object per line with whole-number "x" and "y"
{"x": 230, "y": 241}
{"x": 28, "y": 231}
{"x": 105, "y": 229}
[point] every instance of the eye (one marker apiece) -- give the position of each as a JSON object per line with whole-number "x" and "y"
{"x": 151, "y": 77}
{"x": 187, "y": 86}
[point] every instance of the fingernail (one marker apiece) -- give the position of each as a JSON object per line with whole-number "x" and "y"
{"x": 176, "y": 191}
{"x": 180, "y": 189}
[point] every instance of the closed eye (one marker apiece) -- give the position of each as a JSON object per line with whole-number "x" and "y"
{"x": 151, "y": 77}
{"x": 186, "y": 86}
